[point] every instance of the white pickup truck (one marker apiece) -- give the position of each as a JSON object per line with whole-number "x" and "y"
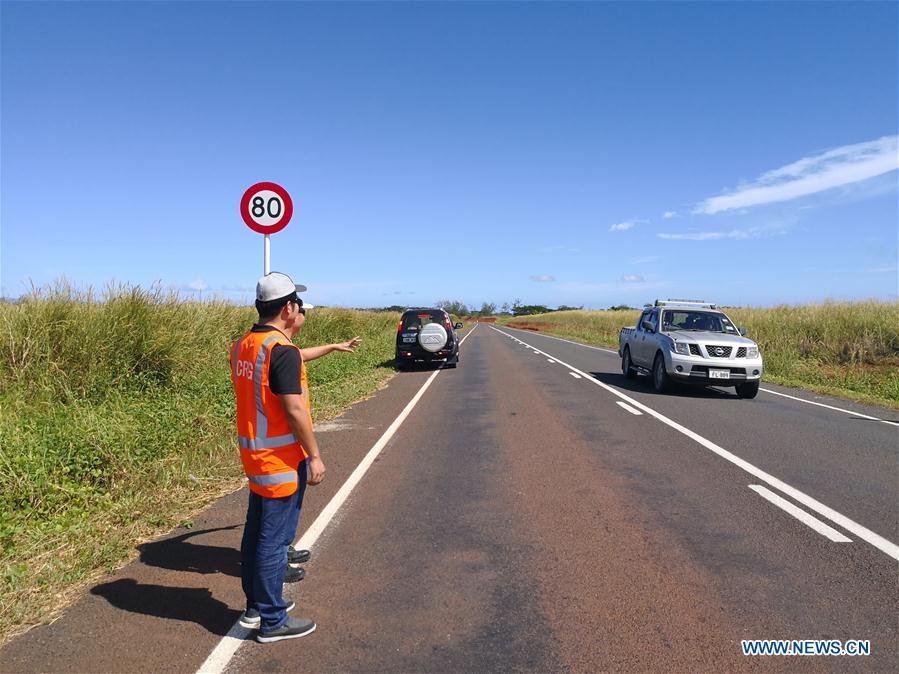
{"x": 692, "y": 342}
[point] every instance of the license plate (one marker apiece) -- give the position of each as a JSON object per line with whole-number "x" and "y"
{"x": 719, "y": 374}
{"x": 408, "y": 340}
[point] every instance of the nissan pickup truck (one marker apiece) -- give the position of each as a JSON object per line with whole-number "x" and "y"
{"x": 691, "y": 342}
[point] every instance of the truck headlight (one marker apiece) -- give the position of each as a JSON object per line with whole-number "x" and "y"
{"x": 683, "y": 348}
{"x": 752, "y": 352}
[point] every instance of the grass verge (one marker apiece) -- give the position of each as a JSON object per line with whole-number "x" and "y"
{"x": 847, "y": 350}
{"x": 116, "y": 424}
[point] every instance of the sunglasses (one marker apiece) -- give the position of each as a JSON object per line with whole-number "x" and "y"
{"x": 299, "y": 304}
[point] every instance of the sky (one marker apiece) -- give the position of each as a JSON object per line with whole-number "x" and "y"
{"x": 585, "y": 154}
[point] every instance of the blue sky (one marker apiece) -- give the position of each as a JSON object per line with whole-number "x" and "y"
{"x": 559, "y": 153}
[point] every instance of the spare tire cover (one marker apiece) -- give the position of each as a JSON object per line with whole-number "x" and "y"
{"x": 432, "y": 337}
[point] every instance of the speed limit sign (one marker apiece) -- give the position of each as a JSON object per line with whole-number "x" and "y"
{"x": 266, "y": 208}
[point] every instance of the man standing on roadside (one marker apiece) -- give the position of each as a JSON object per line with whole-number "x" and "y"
{"x": 277, "y": 448}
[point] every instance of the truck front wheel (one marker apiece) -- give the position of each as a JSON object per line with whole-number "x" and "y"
{"x": 660, "y": 379}
{"x": 627, "y": 367}
{"x": 748, "y": 390}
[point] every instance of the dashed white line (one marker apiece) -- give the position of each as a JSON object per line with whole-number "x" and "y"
{"x": 800, "y": 514}
{"x": 851, "y": 526}
{"x": 575, "y": 375}
{"x": 550, "y": 360}
{"x": 629, "y": 408}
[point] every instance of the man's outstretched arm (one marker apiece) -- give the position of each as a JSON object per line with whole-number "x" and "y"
{"x": 314, "y": 352}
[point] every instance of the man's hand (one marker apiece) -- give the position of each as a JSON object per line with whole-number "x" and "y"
{"x": 350, "y": 346}
{"x": 316, "y": 468}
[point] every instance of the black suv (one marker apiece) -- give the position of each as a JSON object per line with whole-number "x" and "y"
{"x": 426, "y": 336}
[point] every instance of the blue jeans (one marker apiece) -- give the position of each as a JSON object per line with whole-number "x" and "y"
{"x": 270, "y": 527}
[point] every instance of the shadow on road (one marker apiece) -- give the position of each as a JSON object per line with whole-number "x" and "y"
{"x": 643, "y": 384}
{"x": 177, "y": 554}
{"x": 174, "y": 603}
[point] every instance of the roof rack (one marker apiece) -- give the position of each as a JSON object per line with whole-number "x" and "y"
{"x": 686, "y": 303}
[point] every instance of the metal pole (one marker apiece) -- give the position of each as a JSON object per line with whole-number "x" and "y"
{"x": 266, "y": 265}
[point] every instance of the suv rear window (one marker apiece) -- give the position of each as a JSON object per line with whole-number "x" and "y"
{"x": 416, "y": 320}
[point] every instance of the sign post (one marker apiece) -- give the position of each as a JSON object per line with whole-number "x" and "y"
{"x": 266, "y": 208}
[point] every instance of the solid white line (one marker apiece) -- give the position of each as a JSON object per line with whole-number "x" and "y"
{"x": 629, "y": 408}
{"x": 221, "y": 655}
{"x": 800, "y": 514}
{"x": 831, "y": 407}
{"x": 575, "y": 375}
{"x": 865, "y": 534}
{"x": 550, "y": 360}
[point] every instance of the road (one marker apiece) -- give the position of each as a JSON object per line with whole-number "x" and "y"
{"x": 535, "y": 511}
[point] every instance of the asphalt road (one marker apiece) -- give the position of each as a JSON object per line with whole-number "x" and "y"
{"x": 521, "y": 518}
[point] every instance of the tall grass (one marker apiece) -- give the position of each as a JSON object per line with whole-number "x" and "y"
{"x": 116, "y": 420}
{"x": 849, "y": 349}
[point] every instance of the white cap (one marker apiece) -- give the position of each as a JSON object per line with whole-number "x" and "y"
{"x": 276, "y": 286}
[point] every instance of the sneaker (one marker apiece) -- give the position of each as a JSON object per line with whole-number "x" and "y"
{"x": 294, "y": 574}
{"x": 293, "y": 628}
{"x": 252, "y": 620}
{"x": 295, "y": 556}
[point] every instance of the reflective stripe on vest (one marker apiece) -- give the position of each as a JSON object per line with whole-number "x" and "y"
{"x": 267, "y": 443}
{"x": 276, "y": 478}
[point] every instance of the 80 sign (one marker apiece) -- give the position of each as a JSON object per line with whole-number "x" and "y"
{"x": 266, "y": 208}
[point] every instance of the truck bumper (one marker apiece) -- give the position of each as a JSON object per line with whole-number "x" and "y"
{"x": 695, "y": 369}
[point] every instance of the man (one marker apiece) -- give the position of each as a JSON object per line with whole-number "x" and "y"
{"x": 277, "y": 448}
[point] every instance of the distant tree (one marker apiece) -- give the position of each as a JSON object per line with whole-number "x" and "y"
{"x": 621, "y": 307}
{"x": 506, "y": 309}
{"x": 487, "y": 309}
{"x": 454, "y": 307}
{"x": 565, "y": 307}
{"x": 529, "y": 309}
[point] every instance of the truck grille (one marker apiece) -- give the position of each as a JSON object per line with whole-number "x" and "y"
{"x": 718, "y": 351}
{"x": 694, "y": 350}
{"x": 741, "y": 352}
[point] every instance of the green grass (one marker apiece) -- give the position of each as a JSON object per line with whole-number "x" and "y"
{"x": 849, "y": 349}
{"x": 116, "y": 423}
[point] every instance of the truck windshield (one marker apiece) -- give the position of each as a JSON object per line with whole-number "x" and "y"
{"x": 697, "y": 321}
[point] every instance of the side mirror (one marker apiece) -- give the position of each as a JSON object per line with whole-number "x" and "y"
{"x": 647, "y": 326}
{"x": 743, "y": 332}
{"x": 457, "y": 326}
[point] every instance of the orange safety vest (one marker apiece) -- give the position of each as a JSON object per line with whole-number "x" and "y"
{"x": 269, "y": 450}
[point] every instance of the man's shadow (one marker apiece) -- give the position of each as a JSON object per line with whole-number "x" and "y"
{"x": 177, "y": 554}
{"x": 173, "y": 603}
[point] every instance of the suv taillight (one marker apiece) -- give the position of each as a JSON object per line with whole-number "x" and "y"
{"x": 399, "y": 328}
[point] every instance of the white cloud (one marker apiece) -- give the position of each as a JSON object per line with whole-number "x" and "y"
{"x": 646, "y": 259}
{"x": 749, "y": 233}
{"x": 632, "y": 278}
{"x": 543, "y": 278}
{"x": 669, "y": 214}
{"x": 198, "y": 286}
{"x": 624, "y": 226}
{"x": 835, "y": 168}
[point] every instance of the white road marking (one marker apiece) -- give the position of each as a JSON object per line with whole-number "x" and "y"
{"x": 221, "y": 655}
{"x": 830, "y": 407}
{"x": 575, "y": 375}
{"x": 800, "y": 514}
{"x": 550, "y": 360}
{"x": 629, "y": 408}
{"x": 589, "y": 346}
{"x": 766, "y": 390}
{"x": 851, "y": 526}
